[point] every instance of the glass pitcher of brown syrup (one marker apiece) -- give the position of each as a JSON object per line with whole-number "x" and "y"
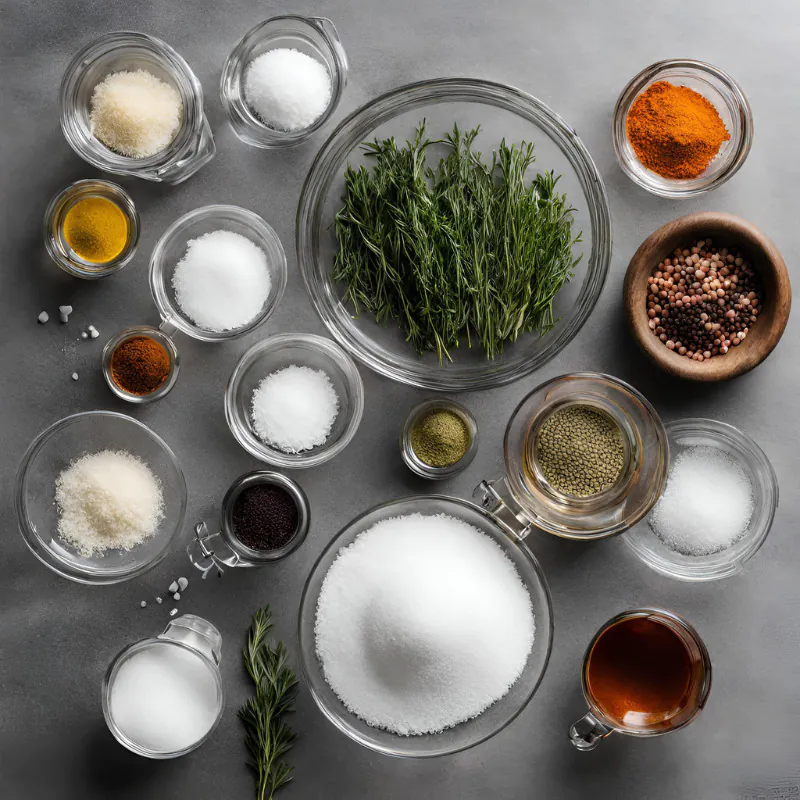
{"x": 645, "y": 673}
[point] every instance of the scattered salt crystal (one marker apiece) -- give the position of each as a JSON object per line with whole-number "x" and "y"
{"x": 707, "y": 504}
{"x": 294, "y": 408}
{"x": 74, "y": 376}
{"x": 159, "y": 600}
{"x": 183, "y": 583}
{"x": 43, "y": 317}
{"x": 93, "y": 332}
{"x": 173, "y": 612}
{"x": 64, "y": 312}
{"x": 84, "y": 335}
{"x": 176, "y": 596}
{"x": 143, "y": 604}
{"x": 173, "y": 587}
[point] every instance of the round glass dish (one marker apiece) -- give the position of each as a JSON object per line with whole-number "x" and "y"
{"x": 315, "y": 37}
{"x": 193, "y": 145}
{"x": 717, "y": 87}
{"x": 414, "y": 462}
{"x": 151, "y": 333}
{"x": 502, "y": 112}
{"x": 56, "y": 244}
{"x": 469, "y": 733}
{"x": 303, "y": 350}
{"x": 171, "y": 248}
{"x": 687, "y": 433}
{"x": 52, "y": 452}
{"x": 614, "y": 509}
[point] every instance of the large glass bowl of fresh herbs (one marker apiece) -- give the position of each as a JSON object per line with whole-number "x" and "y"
{"x": 565, "y": 265}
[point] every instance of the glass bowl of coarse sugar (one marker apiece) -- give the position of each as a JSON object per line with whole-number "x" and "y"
{"x": 99, "y": 497}
{"x": 717, "y": 508}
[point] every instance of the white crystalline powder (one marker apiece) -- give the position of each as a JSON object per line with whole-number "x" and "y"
{"x": 135, "y": 113}
{"x": 108, "y": 501}
{"x": 707, "y": 504}
{"x": 294, "y": 408}
{"x": 422, "y": 623}
{"x": 222, "y": 282}
{"x": 287, "y": 89}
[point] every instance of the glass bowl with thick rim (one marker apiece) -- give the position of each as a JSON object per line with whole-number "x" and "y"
{"x": 303, "y": 350}
{"x": 686, "y": 433}
{"x": 727, "y": 97}
{"x": 171, "y": 248}
{"x": 54, "y": 450}
{"x": 502, "y": 112}
{"x": 473, "y": 731}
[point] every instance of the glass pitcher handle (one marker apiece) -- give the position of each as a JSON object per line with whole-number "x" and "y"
{"x": 197, "y": 633}
{"x": 209, "y": 551}
{"x": 196, "y": 155}
{"x": 168, "y": 328}
{"x": 588, "y": 732}
{"x": 496, "y": 498}
{"x": 328, "y": 30}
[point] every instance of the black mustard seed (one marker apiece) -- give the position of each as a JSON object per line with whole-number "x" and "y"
{"x": 264, "y": 517}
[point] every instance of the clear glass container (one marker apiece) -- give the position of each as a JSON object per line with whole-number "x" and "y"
{"x": 591, "y": 729}
{"x": 414, "y": 462}
{"x": 151, "y": 333}
{"x": 224, "y": 549}
{"x": 192, "y": 147}
{"x": 303, "y": 350}
{"x": 525, "y": 491}
{"x": 56, "y": 244}
{"x": 496, "y": 717}
{"x": 688, "y": 433}
{"x": 717, "y": 87}
{"x": 171, "y": 248}
{"x": 190, "y": 634}
{"x": 54, "y": 450}
{"x": 315, "y": 37}
{"x": 502, "y": 112}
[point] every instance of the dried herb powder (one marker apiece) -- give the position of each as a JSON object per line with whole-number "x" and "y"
{"x": 264, "y": 517}
{"x": 440, "y": 438}
{"x": 580, "y": 451}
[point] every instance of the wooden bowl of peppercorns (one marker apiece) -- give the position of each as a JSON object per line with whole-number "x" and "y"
{"x": 707, "y": 296}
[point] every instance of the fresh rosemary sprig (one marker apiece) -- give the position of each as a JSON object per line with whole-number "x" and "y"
{"x": 465, "y": 249}
{"x": 267, "y": 736}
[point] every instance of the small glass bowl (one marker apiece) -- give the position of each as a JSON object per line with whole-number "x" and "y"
{"x": 414, "y": 462}
{"x": 316, "y": 37}
{"x": 302, "y": 350}
{"x": 614, "y": 509}
{"x": 193, "y": 145}
{"x": 151, "y": 333}
{"x": 171, "y": 248}
{"x": 687, "y": 433}
{"x": 54, "y": 450}
{"x": 56, "y": 245}
{"x": 717, "y": 87}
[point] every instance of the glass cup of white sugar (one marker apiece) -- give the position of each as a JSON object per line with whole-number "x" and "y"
{"x": 283, "y": 80}
{"x": 163, "y": 697}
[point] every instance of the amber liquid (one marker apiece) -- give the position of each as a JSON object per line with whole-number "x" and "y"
{"x": 640, "y": 673}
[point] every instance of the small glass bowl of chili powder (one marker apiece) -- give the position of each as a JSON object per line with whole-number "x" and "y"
{"x": 682, "y": 127}
{"x": 140, "y": 364}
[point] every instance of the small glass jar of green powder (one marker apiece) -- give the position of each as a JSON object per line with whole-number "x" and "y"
{"x": 440, "y": 439}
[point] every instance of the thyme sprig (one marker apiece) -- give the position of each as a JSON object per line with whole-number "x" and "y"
{"x": 467, "y": 248}
{"x": 267, "y": 736}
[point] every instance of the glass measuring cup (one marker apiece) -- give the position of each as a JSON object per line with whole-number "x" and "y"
{"x": 224, "y": 549}
{"x": 198, "y": 643}
{"x": 600, "y": 720}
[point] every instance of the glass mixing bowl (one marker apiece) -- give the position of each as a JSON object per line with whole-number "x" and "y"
{"x": 34, "y": 494}
{"x": 502, "y": 112}
{"x": 686, "y": 433}
{"x": 497, "y": 716}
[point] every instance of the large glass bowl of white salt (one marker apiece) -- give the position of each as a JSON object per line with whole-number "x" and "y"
{"x": 717, "y": 508}
{"x": 99, "y": 497}
{"x": 425, "y": 627}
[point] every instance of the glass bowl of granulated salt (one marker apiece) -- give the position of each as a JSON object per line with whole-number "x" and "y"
{"x": 717, "y": 508}
{"x": 99, "y": 497}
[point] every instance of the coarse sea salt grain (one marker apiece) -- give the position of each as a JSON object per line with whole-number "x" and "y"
{"x": 222, "y": 281}
{"x": 287, "y": 89}
{"x": 294, "y": 408}
{"x": 707, "y": 504}
{"x": 422, "y": 623}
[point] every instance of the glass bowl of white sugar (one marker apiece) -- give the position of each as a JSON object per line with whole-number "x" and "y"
{"x": 283, "y": 80}
{"x": 717, "y": 508}
{"x": 100, "y": 497}
{"x": 294, "y": 400}
{"x": 217, "y": 273}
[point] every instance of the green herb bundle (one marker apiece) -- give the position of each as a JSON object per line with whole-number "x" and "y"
{"x": 267, "y": 736}
{"x": 465, "y": 249}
